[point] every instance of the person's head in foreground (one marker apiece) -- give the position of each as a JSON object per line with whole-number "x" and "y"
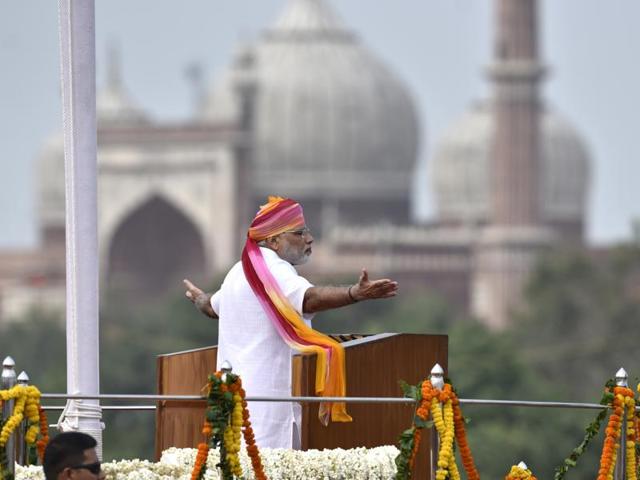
{"x": 280, "y": 226}
{"x": 72, "y": 455}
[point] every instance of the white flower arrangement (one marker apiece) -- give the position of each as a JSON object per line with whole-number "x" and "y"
{"x": 279, "y": 464}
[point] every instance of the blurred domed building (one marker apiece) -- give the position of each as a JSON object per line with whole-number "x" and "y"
{"x": 461, "y": 173}
{"x": 321, "y": 130}
{"x": 510, "y": 180}
{"x": 308, "y": 111}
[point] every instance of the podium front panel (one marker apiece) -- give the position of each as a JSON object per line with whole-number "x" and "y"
{"x": 375, "y": 365}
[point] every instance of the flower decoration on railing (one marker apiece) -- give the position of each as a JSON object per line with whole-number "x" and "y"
{"x": 620, "y": 401}
{"x": 42, "y": 442}
{"x": 226, "y": 418}
{"x": 623, "y": 408}
{"x": 590, "y": 432}
{"x": 637, "y": 440}
{"x": 520, "y": 472}
{"x": 442, "y": 406}
{"x": 26, "y": 404}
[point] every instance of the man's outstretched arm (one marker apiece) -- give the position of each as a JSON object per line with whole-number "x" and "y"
{"x": 317, "y": 299}
{"x": 200, "y": 299}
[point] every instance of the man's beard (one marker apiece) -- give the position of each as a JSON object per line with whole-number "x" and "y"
{"x": 304, "y": 258}
{"x": 295, "y": 258}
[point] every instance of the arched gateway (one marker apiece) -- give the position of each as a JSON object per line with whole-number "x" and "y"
{"x": 153, "y": 249}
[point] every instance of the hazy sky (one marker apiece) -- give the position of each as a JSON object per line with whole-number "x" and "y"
{"x": 438, "y": 47}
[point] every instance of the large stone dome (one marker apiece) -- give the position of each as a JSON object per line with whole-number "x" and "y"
{"x": 461, "y": 171}
{"x": 331, "y": 121}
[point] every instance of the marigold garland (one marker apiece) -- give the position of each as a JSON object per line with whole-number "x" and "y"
{"x": 630, "y": 437}
{"x": 622, "y": 397}
{"x": 636, "y": 423}
{"x": 443, "y": 420}
{"x": 26, "y": 404}
{"x": 200, "y": 464}
{"x": 42, "y": 442}
{"x": 232, "y": 436}
{"x": 519, "y": 473}
{"x": 227, "y": 417}
{"x": 443, "y": 407}
{"x": 461, "y": 440}
{"x": 250, "y": 441}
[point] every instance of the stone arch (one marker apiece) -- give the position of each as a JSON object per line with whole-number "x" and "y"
{"x": 152, "y": 249}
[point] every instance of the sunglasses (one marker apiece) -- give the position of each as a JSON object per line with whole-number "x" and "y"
{"x": 94, "y": 468}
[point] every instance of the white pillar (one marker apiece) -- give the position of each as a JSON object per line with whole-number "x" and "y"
{"x": 78, "y": 68}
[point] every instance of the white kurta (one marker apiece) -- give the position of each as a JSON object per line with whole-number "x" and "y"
{"x": 249, "y": 341}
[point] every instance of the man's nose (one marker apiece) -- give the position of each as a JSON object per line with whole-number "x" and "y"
{"x": 309, "y": 239}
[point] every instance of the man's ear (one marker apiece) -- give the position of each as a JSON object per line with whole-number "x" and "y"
{"x": 273, "y": 243}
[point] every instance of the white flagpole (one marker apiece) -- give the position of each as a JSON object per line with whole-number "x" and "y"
{"x": 78, "y": 67}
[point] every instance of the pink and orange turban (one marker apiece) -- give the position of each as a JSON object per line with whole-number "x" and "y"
{"x": 277, "y": 216}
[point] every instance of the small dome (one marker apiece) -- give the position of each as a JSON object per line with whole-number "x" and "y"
{"x": 330, "y": 118}
{"x": 50, "y": 183}
{"x": 460, "y": 172}
{"x": 113, "y": 105}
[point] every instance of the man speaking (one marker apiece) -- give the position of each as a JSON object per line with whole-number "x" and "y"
{"x": 265, "y": 310}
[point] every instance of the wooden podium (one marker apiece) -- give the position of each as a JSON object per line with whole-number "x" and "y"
{"x": 375, "y": 364}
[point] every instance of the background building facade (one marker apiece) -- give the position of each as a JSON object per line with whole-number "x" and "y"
{"x": 308, "y": 112}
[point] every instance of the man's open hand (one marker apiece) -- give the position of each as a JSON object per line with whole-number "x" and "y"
{"x": 367, "y": 289}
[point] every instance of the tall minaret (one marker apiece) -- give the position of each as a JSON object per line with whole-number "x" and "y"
{"x": 515, "y": 235}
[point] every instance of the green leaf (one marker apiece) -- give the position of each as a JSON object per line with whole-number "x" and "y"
{"x": 406, "y": 439}
{"x": 607, "y": 398}
{"x": 410, "y": 391}
{"x": 407, "y": 434}
{"x": 420, "y": 423}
